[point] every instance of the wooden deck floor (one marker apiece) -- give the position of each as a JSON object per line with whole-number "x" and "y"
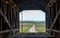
{"x": 32, "y": 35}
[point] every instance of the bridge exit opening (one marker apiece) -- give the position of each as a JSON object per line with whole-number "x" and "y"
{"x": 32, "y": 21}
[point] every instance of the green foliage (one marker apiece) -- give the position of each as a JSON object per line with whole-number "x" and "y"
{"x": 26, "y": 28}
{"x": 32, "y": 21}
{"x": 40, "y": 26}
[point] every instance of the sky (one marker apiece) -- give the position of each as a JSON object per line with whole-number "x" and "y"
{"x": 32, "y": 15}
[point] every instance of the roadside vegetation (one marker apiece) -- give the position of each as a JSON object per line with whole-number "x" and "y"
{"x": 40, "y": 26}
{"x": 26, "y": 27}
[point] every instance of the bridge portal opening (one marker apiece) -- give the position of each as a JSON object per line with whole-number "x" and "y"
{"x": 32, "y": 21}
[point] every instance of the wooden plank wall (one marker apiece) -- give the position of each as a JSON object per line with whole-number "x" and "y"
{"x": 10, "y": 10}
{"x": 53, "y": 7}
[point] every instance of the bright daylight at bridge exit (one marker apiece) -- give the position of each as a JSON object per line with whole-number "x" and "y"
{"x": 32, "y": 21}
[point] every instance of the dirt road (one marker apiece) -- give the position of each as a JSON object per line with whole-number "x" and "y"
{"x": 32, "y": 29}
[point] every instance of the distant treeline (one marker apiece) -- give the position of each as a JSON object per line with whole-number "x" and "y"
{"x": 32, "y": 21}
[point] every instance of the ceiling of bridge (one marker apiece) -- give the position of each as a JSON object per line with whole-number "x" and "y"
{"x": 32, "y": 4}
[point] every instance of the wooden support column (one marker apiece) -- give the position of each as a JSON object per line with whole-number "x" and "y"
{"x": 0, "y": 23}
{"x": 59, "y": 22}
{"x": 4, "y": 12}
{"x": 52, "y": 15}
{"x": 56, "y": 7}
{"x": 49, "y": 17}
{"x": 11, "y": 21}
{"x": 17, "y": 23}
{"x": 0, "y": 16}
{"x": 4, "y": 6}
{"x": 46, "y": 20}
{"x": 14, "y": 17}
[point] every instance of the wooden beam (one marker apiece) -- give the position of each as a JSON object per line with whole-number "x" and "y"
{"x": 1, "y": 24}
{"x": 54, "y": 21}
{"x": 13, "y": 3}
{"x": 4, "y": 6}
{"x": 50, "y": 3}
{"x": 4, "y": 17}
{"x": 5, "y": 31}
{"x": 56, "y": 31}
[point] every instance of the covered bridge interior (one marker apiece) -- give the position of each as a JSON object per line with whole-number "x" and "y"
{"x": 9, "y": 17}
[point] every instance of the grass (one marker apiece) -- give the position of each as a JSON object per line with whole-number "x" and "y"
{"x": 26, "y": 28}
{"x": 40, "y": 27}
